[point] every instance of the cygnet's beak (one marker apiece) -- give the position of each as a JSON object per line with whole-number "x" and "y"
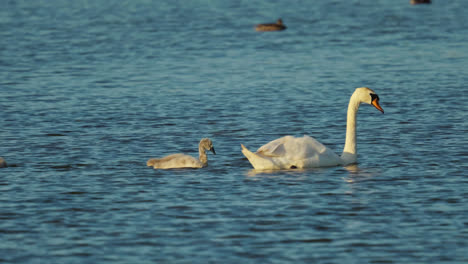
{"x": 375, "y": 103}
{"x": 212, "y": 150}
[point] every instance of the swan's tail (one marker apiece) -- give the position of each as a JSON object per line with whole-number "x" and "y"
{"x": 257, "y": 161}
{"x": 152, "y": 162}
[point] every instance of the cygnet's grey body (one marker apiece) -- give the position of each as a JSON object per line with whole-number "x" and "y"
{"x": 178, "y": 161}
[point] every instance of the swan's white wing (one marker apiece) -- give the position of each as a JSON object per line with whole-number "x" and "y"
{"x": 299, "y": 152}
{"x": 273, "y": 148}
{"x": 292, "y": 147}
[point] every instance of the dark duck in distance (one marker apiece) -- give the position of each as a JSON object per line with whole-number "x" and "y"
{"x": 416, "y": 2}
{"x": 2, "y": 163}
{"x": 271, "y": 27}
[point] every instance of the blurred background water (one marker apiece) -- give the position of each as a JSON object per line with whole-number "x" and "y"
{"x": 91, "y": 89}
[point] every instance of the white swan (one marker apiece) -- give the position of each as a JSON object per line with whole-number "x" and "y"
{"x": 175, "y": 161}
{"x": 290, "y": 153}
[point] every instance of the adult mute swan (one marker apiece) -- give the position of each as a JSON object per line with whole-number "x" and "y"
{"x": 176, "y": 161}
{"x": 271, "y": 27}
{"x": 290, "y": 152}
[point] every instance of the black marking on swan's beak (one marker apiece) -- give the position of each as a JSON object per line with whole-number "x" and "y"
{"x": 212, "y": 150}
{"x": 375, "y": 102}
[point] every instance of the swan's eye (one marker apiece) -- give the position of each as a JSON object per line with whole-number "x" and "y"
{"x": 374, "y": 96}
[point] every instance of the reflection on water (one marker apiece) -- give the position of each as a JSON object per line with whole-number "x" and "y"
{"x": 353, "y": 168}
{"x": 354, "y": 172}
{"x": 357, "y": 173}
{"x": 286, "y": 172}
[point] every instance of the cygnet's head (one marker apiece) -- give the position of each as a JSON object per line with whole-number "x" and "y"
{"x": 368, "y": 96}
{"x": 206, "y": 144}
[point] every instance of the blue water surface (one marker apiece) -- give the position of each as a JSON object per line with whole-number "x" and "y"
{"x": 92, "y": 89}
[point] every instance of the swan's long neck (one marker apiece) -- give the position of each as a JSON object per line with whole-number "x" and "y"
{"x": 349, "y": 152}
{"x": 202, "y": 155}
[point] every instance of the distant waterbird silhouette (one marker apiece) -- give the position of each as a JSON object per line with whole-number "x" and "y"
{"x": 278, "y": 26}
{"x": 3, "y": 163}
{"x": 416, "y": 2}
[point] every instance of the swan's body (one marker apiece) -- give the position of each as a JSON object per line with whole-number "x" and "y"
{"x": 2, "y": 163}
{"x": 271, "y": 27}
{"x": 290, "y": 152}
{"x": 177, "y": 161}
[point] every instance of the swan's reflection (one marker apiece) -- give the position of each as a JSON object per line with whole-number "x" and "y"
{"x": 353, "y": 168}
{"x": 275, "y": 173}
{"x": 357, "y": 174}
{"x": 354, "y": 173}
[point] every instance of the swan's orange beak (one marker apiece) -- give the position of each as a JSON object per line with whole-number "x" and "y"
{"x": 375, "y": 103}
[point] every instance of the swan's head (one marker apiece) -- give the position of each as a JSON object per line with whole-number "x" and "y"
{"x": 368, "y": 96}
{"x": 206, "y": 144}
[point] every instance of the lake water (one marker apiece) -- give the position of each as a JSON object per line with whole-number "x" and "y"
{"x": 91, "y": 89}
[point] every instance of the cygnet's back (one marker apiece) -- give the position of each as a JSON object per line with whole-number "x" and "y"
{"x": 175, "y": 161}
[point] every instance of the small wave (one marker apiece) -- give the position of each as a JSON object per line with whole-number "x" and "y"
{"x": 54, "y": 135}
